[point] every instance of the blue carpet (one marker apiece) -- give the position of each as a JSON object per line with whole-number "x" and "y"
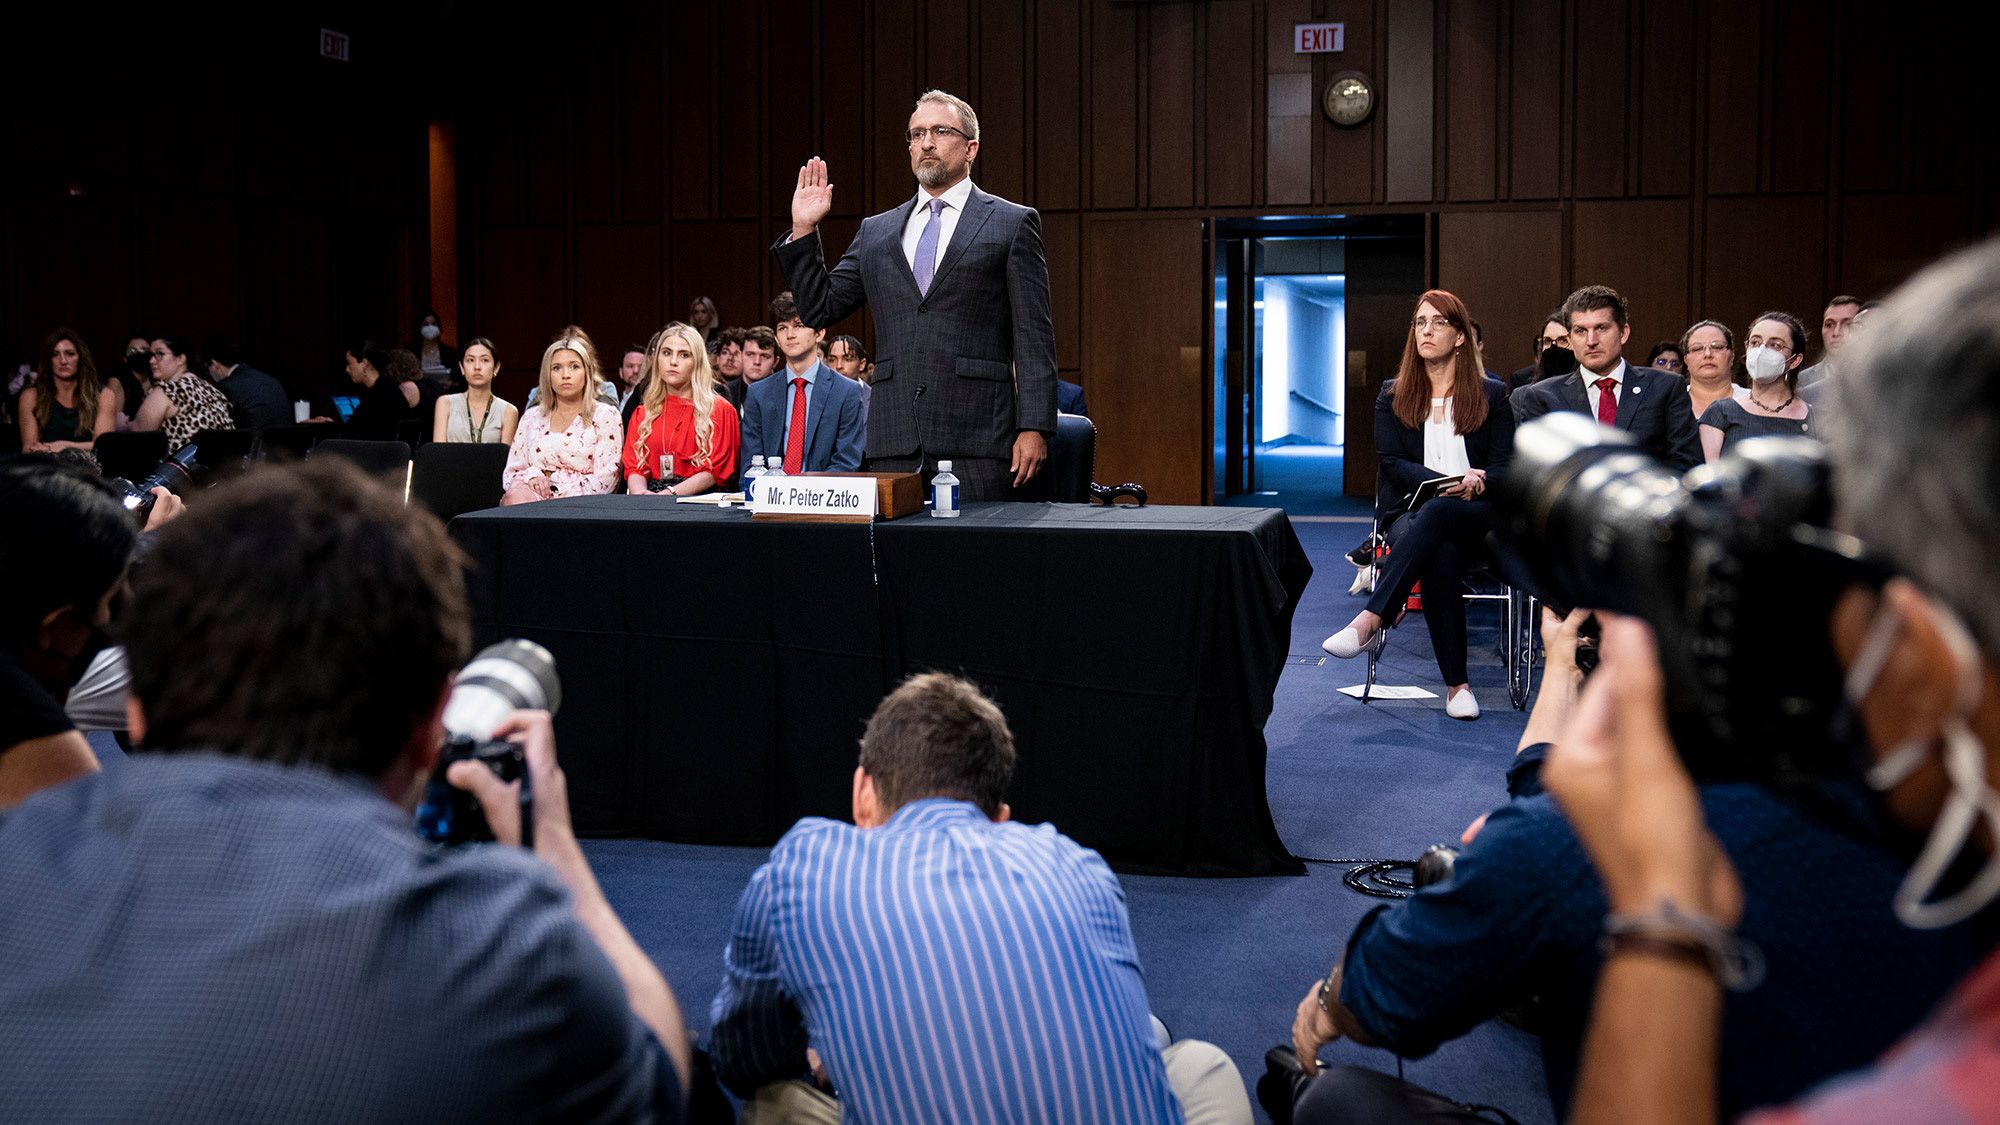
{"x": 1227, "y": 960}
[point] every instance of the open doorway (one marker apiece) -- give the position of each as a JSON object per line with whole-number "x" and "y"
{"x": 1291, "y": 352}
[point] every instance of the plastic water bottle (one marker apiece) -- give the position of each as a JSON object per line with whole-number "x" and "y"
{"x": 750, "y": 476}
{"x": 944, "y": 492}
{"x": 774, "y": 466}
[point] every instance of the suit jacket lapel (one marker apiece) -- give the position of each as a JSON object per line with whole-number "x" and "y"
{"x": 978, "y": 208}
{"x": 1630, "y": 400}
{"x": 1572, "y": 394}
{"x": 893, "y": 246}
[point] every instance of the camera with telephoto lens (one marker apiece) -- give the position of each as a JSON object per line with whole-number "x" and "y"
{"x": 177, "y": 473}
{"x": 1734, "y": 567}
{"x": 511, "y": 676}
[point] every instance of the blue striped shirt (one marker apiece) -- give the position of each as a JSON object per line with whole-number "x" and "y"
{"x": 946, "y": 968}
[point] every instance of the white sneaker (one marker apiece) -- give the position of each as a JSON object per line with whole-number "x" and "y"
{"x": 1345, "y": 644}
{"x": 1462, "y": 706}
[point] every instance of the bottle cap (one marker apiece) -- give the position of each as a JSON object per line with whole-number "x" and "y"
{"x": 944, "y": 466}
{"x": 774, "y": 462}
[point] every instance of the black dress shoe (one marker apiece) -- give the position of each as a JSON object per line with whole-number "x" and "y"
{"x": 1280, "y": 1085}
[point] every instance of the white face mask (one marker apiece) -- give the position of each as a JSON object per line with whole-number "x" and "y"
{"x": 1764, "y": 365}
{"x": 431, "y": 332}
{"x": 1964, "y": 758}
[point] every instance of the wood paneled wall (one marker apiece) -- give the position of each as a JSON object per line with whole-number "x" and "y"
{"x": 1706, "y": 157}
{"x": 197, "y": 174}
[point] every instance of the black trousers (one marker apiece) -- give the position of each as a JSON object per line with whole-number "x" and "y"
{"x": 1436, "y": 544}
{"x": 979, "y": 478}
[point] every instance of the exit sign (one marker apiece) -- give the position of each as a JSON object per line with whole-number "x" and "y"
{"x": 334, "y": 45}
{"x": 1318, "y": 38}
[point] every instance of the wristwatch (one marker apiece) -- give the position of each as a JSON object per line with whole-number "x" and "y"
{"x": 1329, "y": 991}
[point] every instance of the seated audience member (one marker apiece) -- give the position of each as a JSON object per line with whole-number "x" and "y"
{"x": 437, "y": 361}
{"x": 132, "y": 379}
{"x": 1441, "y": 416}
{"x": 846, "y": 355}
{"x": 1710, "y": 348}
{"x": 726, "y": 351}
{"x": 924, "y": 951}
{"x": 568, "y": 442}
{"x": 387, "y": 401}
{"x": 810, "y": 416}
{"x": 476, "y": 414}
{"x": 64, "y": 543}
{"x": 1650, "y": 405}
{"x": 1815, "y": 392}
{"x": 680, "y": 414}
{"x": 760, "y": 358}
{"x": 1554, "y": 333}
{"x": 630, "y": 365}
{"x": 1835, "y": 323}
{"x": 1069, "y": 398}
{"x": 181, "y": 403}
{"x": 256, "y": 399}
{"x": 1479, "y": 345}
{"x": 1914, "y": 441}
{"x": 1520, "y": 916}
{"x": 68, "y": 406}
{"x": 1666, "y": 355}
{"x": 267, "y": 938}
{"x": 1774, "y": 349}
{"x": 703, "y": 318}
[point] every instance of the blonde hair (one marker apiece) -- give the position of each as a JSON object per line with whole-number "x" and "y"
{"x": 701, "y": 388}
{"x": 576, "y": 340}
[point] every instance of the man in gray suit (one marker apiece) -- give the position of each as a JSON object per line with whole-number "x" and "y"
{"x": 965, "y": 366}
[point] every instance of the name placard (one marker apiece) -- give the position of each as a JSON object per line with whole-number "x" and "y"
{"x": 815, "y": 498}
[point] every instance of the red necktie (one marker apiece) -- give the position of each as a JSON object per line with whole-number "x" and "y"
{"x": 1607, "y": 403}
{"x": 795, "y": 431}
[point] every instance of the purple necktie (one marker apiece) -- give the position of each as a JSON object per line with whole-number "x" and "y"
{"x": 926, "y": 263}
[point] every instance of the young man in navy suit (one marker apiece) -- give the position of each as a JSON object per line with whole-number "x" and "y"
{"x": 808, "y": 414}
{"x": 1650, "y": 404}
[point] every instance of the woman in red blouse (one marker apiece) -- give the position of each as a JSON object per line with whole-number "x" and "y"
{"x": 680, "y": 414}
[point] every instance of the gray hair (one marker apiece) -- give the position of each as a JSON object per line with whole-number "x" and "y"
{"x": 1914, "y": 434}
{"x": 968, "y": 121}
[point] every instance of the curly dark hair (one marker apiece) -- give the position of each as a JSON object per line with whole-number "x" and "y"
{"x": 300, "y": 615}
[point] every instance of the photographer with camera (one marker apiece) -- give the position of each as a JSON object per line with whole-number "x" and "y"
{"x": 1915, "y": 448}
{"x": 243, "y": 923}
{"x": 1516, "y": 923}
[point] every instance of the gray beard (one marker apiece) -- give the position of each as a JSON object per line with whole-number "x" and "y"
{"x": 933, "y": 175}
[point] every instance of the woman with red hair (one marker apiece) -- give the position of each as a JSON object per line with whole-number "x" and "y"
{"x": 1441, "y": 416}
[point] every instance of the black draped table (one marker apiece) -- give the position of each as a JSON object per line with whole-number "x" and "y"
{"x": 717, "y": 671}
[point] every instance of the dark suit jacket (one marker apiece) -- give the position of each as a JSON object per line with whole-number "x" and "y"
{"x": 1653, "y": 408}
{"x": 1401, "y": 448}
{"x": 834, "y": 429}
{"x": 257, "y": 399}
{"x": 960, "y": 370}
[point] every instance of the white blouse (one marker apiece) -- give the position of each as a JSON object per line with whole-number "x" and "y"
{"x": 1444, "y": 447}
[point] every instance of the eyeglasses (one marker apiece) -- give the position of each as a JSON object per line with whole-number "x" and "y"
{"x": 1773, "y": 343}
{"x": 941, "y": 133}
{"x": 1704, "y": 349}
{"x": 1438, "y": 322}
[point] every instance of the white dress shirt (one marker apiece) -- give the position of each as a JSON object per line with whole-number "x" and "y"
{"x": 920, "y": 217}
{"x": 1590, "y": 391}
{"x": 1444, "y": 446}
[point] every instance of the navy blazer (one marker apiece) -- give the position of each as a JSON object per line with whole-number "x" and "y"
{"x": 962, "y": 369}
{"x": 1069, "y": 398}
{"x": 835, "y": 431}
{"x": 1653, "y": 408}
{"x": 1401, "y": 448}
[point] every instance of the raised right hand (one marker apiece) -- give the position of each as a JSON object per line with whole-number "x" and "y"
{"x": 812, "y": 199}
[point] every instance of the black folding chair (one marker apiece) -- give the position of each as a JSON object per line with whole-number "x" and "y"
{"x": 453, "y": 478}
{"x": 379, "y": 458}
{"x": 1520, "y": 639}
{"x": 1071, "y": 467}
{"x": 132, "y": 454}
{"x": 289, "y": 443}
